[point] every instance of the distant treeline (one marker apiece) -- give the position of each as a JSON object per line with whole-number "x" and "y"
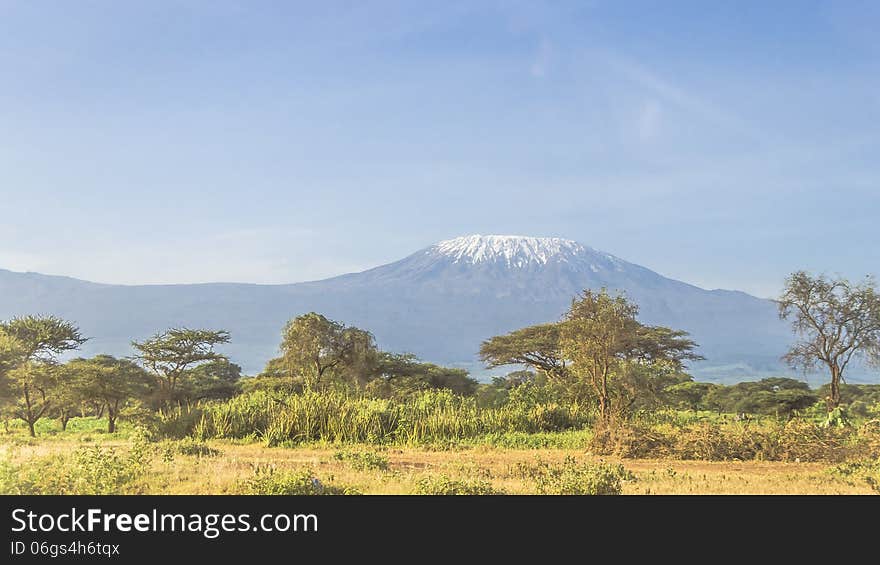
{"x": 598, "y": 365}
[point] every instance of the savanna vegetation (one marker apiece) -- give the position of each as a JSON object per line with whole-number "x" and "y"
{"x": 597, "y": 403}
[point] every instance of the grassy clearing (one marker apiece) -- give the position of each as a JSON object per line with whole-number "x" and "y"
{"x": 224, "y": 467}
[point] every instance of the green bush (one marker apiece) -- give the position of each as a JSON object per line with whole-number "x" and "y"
{"x": 573, "y": 478}
{"x": 866, "y": 471}
{"x": 443, "y": 485}
{"x": 267, "y": 480}
{"x": 88, "y": 470}
{"x": 363, "y": 460}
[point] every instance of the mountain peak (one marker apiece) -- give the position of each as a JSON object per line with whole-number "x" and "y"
{"x": 511, "y": 250}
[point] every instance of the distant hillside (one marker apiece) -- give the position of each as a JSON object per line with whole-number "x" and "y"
{"x": 438, "y": 303}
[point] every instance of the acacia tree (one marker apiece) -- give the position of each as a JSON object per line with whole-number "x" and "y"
{"x": 535, "y": 346}
{"x": 110, "y": 381}
{"x": 216, "y": 380}
{"x": 314, "y": 348}
{"x": 10, "y": 357}
{"x": 836, "y": 320}
{"x": 67, "y": 397}
{"x": 38, "y": 341}
{"x": 169, "y": 354}
{"x": 616, "y": 354}
{"x": 401, "y": 374}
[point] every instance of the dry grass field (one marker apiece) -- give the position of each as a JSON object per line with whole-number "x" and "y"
{"x": 398, "y": 470}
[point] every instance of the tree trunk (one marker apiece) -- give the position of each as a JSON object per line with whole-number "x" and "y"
{"x": 111, "y": 424}
{"x": 833, "y": 400}
{"x": 604, "y": 409}
{"x": 31, "y": 428}
{"x": 65, "y": 417}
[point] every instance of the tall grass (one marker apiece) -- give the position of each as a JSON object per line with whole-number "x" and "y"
{"x": 429, "y": 417}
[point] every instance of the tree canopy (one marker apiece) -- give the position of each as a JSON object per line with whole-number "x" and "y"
{"x": 836, "y": 322}
{"x": 169, "y": 354}
{"x": 30, "y": 344}
{"x": 315, "y": 348}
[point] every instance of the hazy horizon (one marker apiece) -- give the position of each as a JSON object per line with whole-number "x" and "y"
{"x": 272, "y": 142}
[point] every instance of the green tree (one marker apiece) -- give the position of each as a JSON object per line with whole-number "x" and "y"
{"x": 689, "y": 395}
{"x": 316, "y": 349}
{"x": 11, "y": 355}
{"x": 67, "y": 395}
{"x": 33, "y": 343}
{"x": 774, "y": 396}
{"x": 617, "y": 355}
{"x": 402, "y": 374}
{"x": 537, "y": 347}
{"x": 169, "y": 354}
{"x": 112, "y": 382}
{"x": 836, "y": 321}
{"x": 214, "y": 380}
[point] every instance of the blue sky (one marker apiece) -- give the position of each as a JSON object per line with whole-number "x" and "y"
{"x": 724, "y": 144}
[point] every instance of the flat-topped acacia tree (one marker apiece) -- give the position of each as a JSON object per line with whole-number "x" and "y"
{"x": 169, "y": 354}
{"x": 30, "y": 345}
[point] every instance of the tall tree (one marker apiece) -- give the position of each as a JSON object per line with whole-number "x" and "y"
{"x": 10, "y": 357}
{"x": 169, "y": 354}
{"x": 315, "y": 348}
{"x": 836, "y": 320}
{"x": 38, "y": 341}
{"x": 616, "y": 354}
{"x": 112, "y": 382}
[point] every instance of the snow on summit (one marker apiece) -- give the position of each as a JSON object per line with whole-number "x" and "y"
{"x": 512, "y": 250}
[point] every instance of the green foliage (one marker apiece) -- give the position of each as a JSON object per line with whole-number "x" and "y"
{"x": 622, "y": 360}
{"x": 169, "y": 355}
{"x": 214, "y": 380}
{"x": 398, "y": 376}
{"x": 187, "y": 446}
{"x": 427, "y": 417}
{"x": 576, "y": 478}
{"x": 88, "y": 470}
{"x": 315, "y": 349}
{"x": 266, "y": 479}
{"x": 29, "y": 347}
{"x": 864, "y": 471}
{"x": 112, "y": 383}
{"x": 443, "y": 485}
{"x": 771, "y": 440}
{"x": 363, "y": 460}
{"x": 569, "y": 439}
{"x": 775, "y": 396}
{"x": 835, "y": 321}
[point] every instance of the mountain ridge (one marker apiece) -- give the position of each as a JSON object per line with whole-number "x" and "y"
{"x": 439, "y": 302}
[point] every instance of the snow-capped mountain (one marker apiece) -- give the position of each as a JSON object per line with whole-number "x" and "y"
{"x": 512, "y": 251}
{"x": 440, "y": 303}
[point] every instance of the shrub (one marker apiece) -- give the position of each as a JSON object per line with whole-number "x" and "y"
{"x": 443, "y": 485}
{"x": 867, "y": 471}
{"x": 88, "y": 470}
{"x": 267, "y": 480}
{"x": 573, "y": 478}
{"x": 187, "y": 446}
{"x": 363, "y": 460}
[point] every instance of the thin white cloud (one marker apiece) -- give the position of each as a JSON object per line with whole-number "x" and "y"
{"x": 541, "y": 59}
{"x": 649, "y": 120}
{"x": 683, "y": 98}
